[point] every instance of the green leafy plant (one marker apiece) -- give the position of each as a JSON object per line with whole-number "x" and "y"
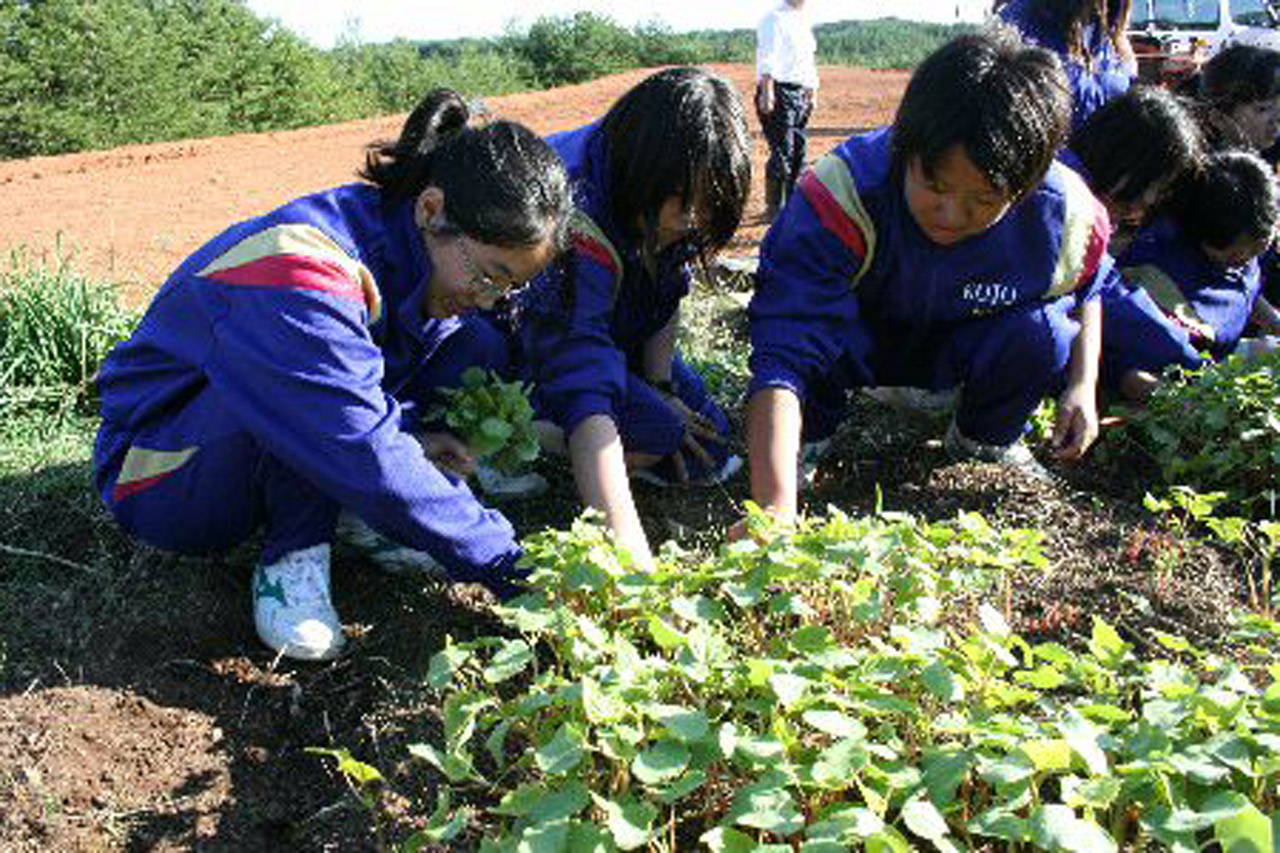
{"x": 494, "y": 418}
{"x": 1218, "y": 429}
{"x": 1187, "y": 512}
{"x": 368, "y": 786}
{"x": 1042, "y": 420}
{"x": 842, "y": 687}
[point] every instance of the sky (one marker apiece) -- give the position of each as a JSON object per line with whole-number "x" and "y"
{"x": 323, "y": 22}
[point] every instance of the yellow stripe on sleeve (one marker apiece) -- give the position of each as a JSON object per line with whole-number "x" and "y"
{"x": 1079, "y": 222}
{"x": 306, "y": 241}
{"x": 1164, "y": 291}
{"x": 143, "y": 464}
{"x": 833, "y": 174}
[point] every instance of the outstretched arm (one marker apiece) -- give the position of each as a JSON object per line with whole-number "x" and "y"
{"x": 773, "y": 441}
{"x": 600, "y": 472}
{"x": 1077, "y": 424}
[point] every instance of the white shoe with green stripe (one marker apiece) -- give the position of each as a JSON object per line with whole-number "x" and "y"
{"x": 292, "y": 607}
{"x": 1016, "y": 455}
{"x": 387, "y": 554}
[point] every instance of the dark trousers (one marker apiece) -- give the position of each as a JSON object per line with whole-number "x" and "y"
{"x": 229, "y": 484}
{"x": 784, "y": 131}
{"x": 1005, "y": 364}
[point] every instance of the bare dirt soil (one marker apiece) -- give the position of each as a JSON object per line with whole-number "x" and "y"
{"x": 137, "y": 709}
{"x": 130, "y": 215}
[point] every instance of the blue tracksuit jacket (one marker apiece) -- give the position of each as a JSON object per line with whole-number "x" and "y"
{"x": 849, "y": 284}
{"x": 1092, "y": 85}
{"x": 304, "y": 325}
{"x": 1212, "y": 303}
{"x": 583, "y": 325}
{"x": 1136, "y": 333}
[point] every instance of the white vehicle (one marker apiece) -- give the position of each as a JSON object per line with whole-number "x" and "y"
{"x": 1172, "y": 38}
{"x": 1210, "y": 23}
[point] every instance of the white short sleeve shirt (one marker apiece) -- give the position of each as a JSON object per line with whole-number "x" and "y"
{"x": 785, "y": 47}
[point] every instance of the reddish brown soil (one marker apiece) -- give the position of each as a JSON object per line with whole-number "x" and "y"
{"x": 130, "y": 215}
{"x": 95, "y": 762}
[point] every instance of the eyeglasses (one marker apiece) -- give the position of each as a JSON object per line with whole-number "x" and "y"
{"x": 483, "y": 285}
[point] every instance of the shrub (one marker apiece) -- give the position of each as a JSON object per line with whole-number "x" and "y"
{"x": 392, "y": 77}
{"x": 82, "y": 74}
{"x": 572, "y": 50}
{"x": 835, "y": 690}
{"x": 888, "y": 43}
{"x": 1217, "y": 429}
{"x": 55, "y": 328}
{"x": 656, "y": 44}
{"x": 79, "y": 74}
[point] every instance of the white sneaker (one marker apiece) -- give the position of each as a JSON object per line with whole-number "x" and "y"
{"x": 509, "y": 487}
{"x": 917, "y": 401}
{"x": 388, "y": 555}
{"x": 292, "y": 609}
{"x": 1016, "y": 455}
{"x": 807, "y": 463}
{"x": 731, "y": 466}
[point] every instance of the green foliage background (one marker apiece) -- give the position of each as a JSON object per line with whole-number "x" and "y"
{"x": 1217, "y": 428}
{"x": 89, "y": 74}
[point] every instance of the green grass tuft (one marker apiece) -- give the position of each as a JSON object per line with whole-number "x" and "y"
{"x": 55, "y": 328}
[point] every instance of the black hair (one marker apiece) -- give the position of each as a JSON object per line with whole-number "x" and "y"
{"x": 679, "y": 132}
{"x": 1236, "y": 75}
{"x": 502, "y": 184}
{"x": 1135, "y": 141}
{"x": 1072, "y": 18}
{"x": 1240, "y": 74}
{"x": 1004, "y": 102}
{"x": 1233, "y": 196}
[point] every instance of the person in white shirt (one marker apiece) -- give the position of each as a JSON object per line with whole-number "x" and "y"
{"x": 786, "y": 90}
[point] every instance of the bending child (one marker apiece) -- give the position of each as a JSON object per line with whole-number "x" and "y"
{"x": 1200, "y": 266}
{"x": 1134, "y": 182}
{"x": 1132, "y": 151}
{"x": 264, "y": 386}
{"x": 1238, "y": 94}
{"x": 948, "y": 250}
{"x": 661, "y": 182}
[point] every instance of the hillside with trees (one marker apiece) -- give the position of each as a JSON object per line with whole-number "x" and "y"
{"x": 91, "y": 74}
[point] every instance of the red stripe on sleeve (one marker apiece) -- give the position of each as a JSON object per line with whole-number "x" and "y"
{"x": 294, "y": 271}
{"x": 124, "y": 490}
{"x": 594, "y": 250}
{"x": 832, "y": 215}
{"x": 1099, "y": 237}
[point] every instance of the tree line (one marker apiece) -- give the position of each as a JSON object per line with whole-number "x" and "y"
{"x": 91, "y": 74}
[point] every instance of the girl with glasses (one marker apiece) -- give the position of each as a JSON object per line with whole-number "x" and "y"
{"x": 274, "y": 379}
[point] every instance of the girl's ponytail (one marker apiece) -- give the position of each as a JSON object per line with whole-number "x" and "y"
{"x": 402, "y": 167}
{"x": 501, "y": 183}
